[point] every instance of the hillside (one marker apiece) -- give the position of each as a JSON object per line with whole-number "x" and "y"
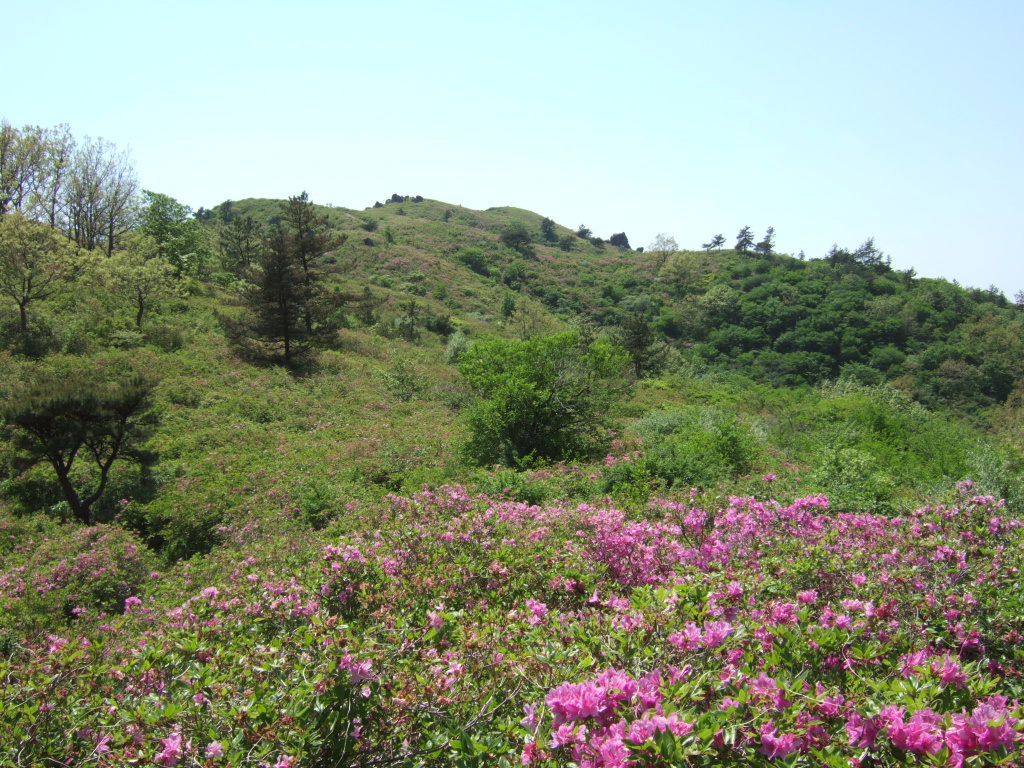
{"x": 748, "y": 507}
{"x": 775, "y": 318}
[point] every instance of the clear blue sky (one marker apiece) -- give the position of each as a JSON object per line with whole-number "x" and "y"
{"x": 830, "y": 121}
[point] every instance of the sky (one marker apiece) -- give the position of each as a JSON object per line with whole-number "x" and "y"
{"x": 830, "y": 121}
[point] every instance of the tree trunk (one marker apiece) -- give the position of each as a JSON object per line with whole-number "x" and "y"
{"x": 82, "y": 512}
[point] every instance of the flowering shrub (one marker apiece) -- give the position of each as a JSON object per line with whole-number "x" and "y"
{"x": 459, "y": 629}
{"x": 71, "y": 573}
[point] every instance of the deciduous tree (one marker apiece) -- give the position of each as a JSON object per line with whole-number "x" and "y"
{"x": 664, "y": 245}
{"x": 183, "y": 242}
{"x": 36, "y": 262}
{"x": 516, "y": 235}
{"x": 100, "y": 195}
{"x": 543, "y": 399}
{"x": 137, "y": 276}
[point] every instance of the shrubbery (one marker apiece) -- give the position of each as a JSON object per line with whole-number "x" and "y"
{"x": 542, "y": 399}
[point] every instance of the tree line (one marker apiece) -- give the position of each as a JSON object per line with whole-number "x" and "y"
{"x": 88, "y": 188}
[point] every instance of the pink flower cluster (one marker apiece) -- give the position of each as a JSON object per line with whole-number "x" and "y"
{"x": 989, "y": 728}
{"x": 590, "y": 718}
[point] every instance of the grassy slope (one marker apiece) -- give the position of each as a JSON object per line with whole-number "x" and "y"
{"x": 263, "y": 468}
{"x": 379, "y": 415}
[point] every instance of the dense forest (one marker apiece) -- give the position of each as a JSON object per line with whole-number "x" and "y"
{"x": 284, "y": 483}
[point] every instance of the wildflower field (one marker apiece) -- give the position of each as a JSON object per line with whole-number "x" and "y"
{"x": 288, "y": 484}
{"x": 449, "y": 628}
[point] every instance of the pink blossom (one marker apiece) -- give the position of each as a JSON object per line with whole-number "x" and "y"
{"x": 170, "y": 750}
{"x": 537, "y": 610}
{"x": 529, "y": 753}
{"x": 130, "y": 603}
{"x": 716, "y": 632}
{"x": 949, "y": 672}
{"x": 688, "y": 639}
{"x": 567, "y": 733}
{"x": 773, "y": 746}
{"x": 861, "y": 732}
{"x": 214, "y": 749}
{"x": 920, "y": 734}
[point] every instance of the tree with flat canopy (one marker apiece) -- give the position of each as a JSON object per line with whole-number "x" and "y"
{"x": 80, "y": 417}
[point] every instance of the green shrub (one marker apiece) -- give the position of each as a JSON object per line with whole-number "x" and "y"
{"x": 698, "y": 446}
{"x": 852, "y": 481}
{"x": 542, "y": 399}
{"x": 475, "y": 259}
{"x": 73, "y": 571}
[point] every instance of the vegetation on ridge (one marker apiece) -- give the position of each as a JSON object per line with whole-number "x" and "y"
{"x": 285, "y": 484}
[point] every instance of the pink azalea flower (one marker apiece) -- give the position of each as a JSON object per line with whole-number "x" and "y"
{"x": 773, "y": 746}
{"x": 170, "y": 750}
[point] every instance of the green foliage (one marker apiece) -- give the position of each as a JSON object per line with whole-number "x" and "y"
{"x": 744, "y": 240}
{"x": 647, "y": 350}
{"x": 241, "y": 244}
{"x": 408, "y": 323}
{"x": 36, "y": 263}
{"x": 288, "y": 308}
{"x": 456, "y": 347}
{"x": 542, "y": 399}
{"x": 403, "y": 382}
{"x": 277, "y": 304}
{"x": 698, "y": 446}
{"x": 508, "y": 306}
{"x": 135, "y": 276}
{"x": 182, "y": 239}
{"x": 850, "y": 477}
{"x": 475, "y": 259}
{"x": 64, "y": 410}
{"x": 516, "y": 236}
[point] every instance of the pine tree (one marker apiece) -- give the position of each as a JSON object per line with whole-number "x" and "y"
{"x": 275, "y": 302}
{"x": 80, "y": 417}
{"x": 744, "y": 240}
{"x": 311, "y": 239}
{"x": 241, "y": 243}
{"x": 647, "y": 350}
{"x": 287, "y": 308}
{"x": 767, "y": 246}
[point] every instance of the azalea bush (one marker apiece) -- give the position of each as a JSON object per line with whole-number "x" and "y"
{"x": 450, "y": 627}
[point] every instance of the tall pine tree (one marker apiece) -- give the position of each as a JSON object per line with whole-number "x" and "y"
{"x": 311, "y": 240}
{"x": 287, "y": 307}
